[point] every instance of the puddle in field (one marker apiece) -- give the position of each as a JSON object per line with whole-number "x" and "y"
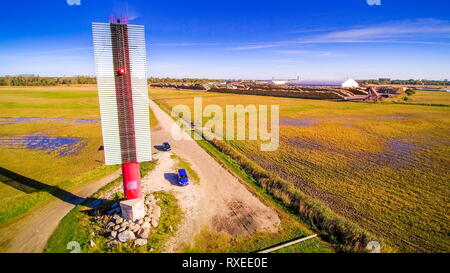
{"x": 303, "y": 122}
{"x": 305, "y": 143}
{"x": 86, "y": 120}
{"x": 11, "y": 120}
{"x": 400, "y": 154}
{"x": 311, "y": 121}
{"x": 392, "y": 117}
{"x": 61, "y": 145}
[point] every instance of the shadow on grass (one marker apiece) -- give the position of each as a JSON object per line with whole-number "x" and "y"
{"x": 28, "y": 186}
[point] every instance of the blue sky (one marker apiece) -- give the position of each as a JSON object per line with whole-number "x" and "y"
{"x": 238, "y": 39}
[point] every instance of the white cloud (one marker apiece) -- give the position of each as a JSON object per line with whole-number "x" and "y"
{"x": 184, "y": 44}
{"x": 312, "y": 30}
{"x": 401, "y": 29}
{"x": 314, "y": 53}
{"x": 420, "y": 31}
{"x": 256, "y": 46}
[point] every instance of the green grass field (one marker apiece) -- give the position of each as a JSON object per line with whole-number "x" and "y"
{"x": 19, "y": 166}
{"x": 382, "y": 166}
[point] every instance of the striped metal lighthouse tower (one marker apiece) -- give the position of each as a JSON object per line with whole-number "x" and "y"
{"x": 121, "y": 67}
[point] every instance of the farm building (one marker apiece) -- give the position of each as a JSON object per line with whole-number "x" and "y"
{"x": 277, "y": 82}
{"x": 350, "y": 83}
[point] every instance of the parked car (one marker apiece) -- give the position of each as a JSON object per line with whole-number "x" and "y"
{"x": 183, "y": 179}
{"x": 166, "y": 146}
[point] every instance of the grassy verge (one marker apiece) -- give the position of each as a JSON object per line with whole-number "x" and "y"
{"x": 78, "y": 226}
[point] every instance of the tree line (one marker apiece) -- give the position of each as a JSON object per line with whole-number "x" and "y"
{"x": 45, "y": 81}
{"x": 406, "y": 82}
{"x": 34, "y": 80}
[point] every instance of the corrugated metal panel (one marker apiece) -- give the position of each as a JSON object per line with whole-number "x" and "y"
{"x": 107, "y": 92}
{"x": 138, "y": 62}
{"x": 124, "y": 92}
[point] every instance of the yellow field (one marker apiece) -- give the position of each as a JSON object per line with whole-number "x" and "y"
{"x": 430, "y": 97}
{"x": 383, "y": 166}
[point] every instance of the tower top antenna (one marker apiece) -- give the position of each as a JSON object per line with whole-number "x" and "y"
{"x": 118, "y": 19}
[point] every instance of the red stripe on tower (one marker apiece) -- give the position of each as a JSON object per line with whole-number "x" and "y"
{"x": 121, "y": 66}
{"x": 124, "y": 94}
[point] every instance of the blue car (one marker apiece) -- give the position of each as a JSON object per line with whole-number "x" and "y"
{"x": 183, "y": 179}
{"x": 166, "y": 146}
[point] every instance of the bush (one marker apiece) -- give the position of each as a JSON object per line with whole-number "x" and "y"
{"x": 410, "y": 92}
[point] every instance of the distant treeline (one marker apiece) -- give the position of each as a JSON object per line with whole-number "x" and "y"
{"x": 32, "y": 80}
{"x": 405, "y": 82}
{"x": 45, "y": 81}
